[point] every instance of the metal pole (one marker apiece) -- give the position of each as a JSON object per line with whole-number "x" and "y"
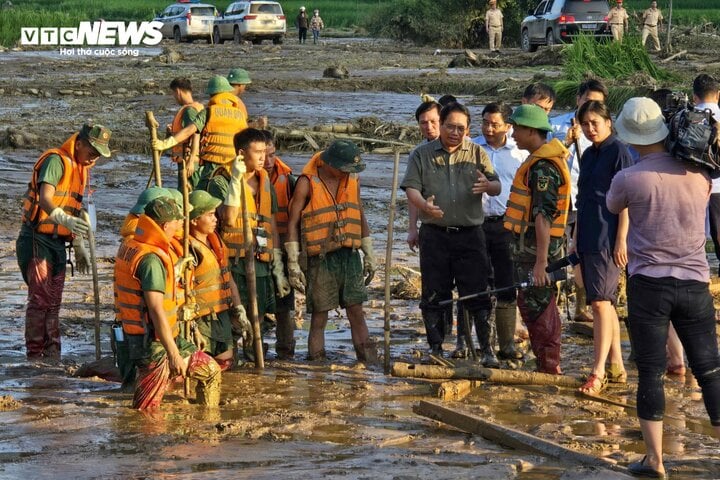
{"x": 388, "y": 260}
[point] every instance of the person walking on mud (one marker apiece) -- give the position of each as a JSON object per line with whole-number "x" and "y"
{"x": 494, "y": 26}
{"x": 328, "y": 221}
{"x": 618, "y": 21}
{"x": 146, "y": 304}
{"x": 302, "y": 22}
{"x": 50, "y": 219}
{"x": 316, "y": 24}
{"x": 452, "y": 242}
{"x": 652, "y": 19}
{"x": 536, "y": 214}
{"x": 668, "y": 271}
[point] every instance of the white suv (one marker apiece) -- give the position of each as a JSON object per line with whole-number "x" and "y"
{"x": 250, "y": 20}
{"x": 187, "y": 21}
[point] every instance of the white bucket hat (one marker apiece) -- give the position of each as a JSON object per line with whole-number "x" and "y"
{"x": 641, "y": 122}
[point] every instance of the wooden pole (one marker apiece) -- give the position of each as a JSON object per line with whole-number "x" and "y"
{"x": 474, "y": 372}
{"x": 188, "y": 308}
{"x": 669, "y": 28}
{"x": 250, "y": 279}
{"x": 153, "y": 125}
{"x": 388, "y": 260}
{"x": 96, "y": 286}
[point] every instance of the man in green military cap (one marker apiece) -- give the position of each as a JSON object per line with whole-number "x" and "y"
{"x": 50, "y": 218}
{"x": 327, "y": 211}
{"x": 239, "y": 80}
{"x": 537, "y": 214}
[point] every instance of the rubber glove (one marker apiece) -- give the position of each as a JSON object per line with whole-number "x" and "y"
{"x": 278, "y": 271}
{"x": 161, "y": 145}
{"x": 240, "y": 323}
{"x": 233, "y": 198}
{"x": 82, "y": 259}
{"x": 182, "y": 264}
{"x": 295, "y": 274}
{"x": 369, "y": 261}
{"x": 76, "y": 225}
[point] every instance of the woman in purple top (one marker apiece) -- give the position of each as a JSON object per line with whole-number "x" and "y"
{"x": 601, "y": 240}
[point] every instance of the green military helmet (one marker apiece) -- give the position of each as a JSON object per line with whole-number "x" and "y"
{"x": 529, "y": 115}
{"x": 238, "y": 76}
{"x": 202, "y": 202}
{"x": 146, "y": 197}
{"x": 98, "y": 136}
{"x": 178, "y": 197}
{"x": 163, "y": 209}
{"x": 343, "y": 155}
{"x": 218, "y": 84}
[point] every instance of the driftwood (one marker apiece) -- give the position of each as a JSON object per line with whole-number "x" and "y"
{"x": 508, "y": 377}
{"x": 298, "y": 134}
{"x": 510, "y": 437}
{"x": 454, "y": 390}
{"x": 337, "y": 128}
{"x": 674, "y": 56}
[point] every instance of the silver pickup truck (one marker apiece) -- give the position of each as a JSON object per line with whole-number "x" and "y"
{"x": 251, "y": 20}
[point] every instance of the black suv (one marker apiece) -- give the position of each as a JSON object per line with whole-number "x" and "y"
{"x": 555, "y": 21}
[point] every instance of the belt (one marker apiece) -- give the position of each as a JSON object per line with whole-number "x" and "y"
{"x": 450, "y": 229}
{"x": 494, "y": 218}
{"x": 648, "y": 25}
{"x": 616, "y": 24}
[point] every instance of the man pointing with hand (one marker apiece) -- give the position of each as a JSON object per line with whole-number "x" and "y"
{"x": 445, "y": 180}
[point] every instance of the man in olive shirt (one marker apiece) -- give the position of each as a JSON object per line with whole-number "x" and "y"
{"x": 652, "y": 18}
{"x": 445, "y": 180}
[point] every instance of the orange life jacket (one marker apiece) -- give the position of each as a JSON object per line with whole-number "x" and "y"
{"x": 280, "y": 179}
{"x": 128, "y": 227}
{"x": 259, "y": 216}
{"x": 329, "y": 222}
{"x": 130, "y": 307}
{"x": 211, "y": 286}
{"x": 225, "y": 118}
{"x": 68, "y": 192}
{"x": 180, "y": 150}
{"x": 519, "y": 206}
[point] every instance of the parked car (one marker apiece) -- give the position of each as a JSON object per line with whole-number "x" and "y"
{"x": 188, "y": 20}
{"x": 555, "y": 21}
{"x": 249, "y": 20}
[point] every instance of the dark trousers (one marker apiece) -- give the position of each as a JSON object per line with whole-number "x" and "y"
{"x": 652, "y": 304}
{"x": 498, "y": 240}
{"x": 714, "y": 215}
{"x": 302, "y": 34}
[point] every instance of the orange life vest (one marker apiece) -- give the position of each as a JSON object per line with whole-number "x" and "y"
{"x": 281, "y": 181}
{"x": 128, "y": 227}
{"x": 329, "y": 222}
{"x": 180, "y": 150}
{"x": 225, "y": 118}
{"x": 130, "y": 307}
{"x": 519, "y": 206}
{"x": 211, "y": 286}
{"x": 259, "y": 216}
{"x": 68, "y": 192}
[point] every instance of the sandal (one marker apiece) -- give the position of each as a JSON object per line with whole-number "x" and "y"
{"x": 678, "y": 370}
{"x": 583, "y": 316}
{"x": 616, "y": 374}
{"x": 594, "y": 385}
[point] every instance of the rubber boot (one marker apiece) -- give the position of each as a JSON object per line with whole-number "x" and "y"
{"x": 435, "y": 329}
{"x": 484, "y": 331}
{"x": 505, "y": 323}
{"x": 284, "y": 333}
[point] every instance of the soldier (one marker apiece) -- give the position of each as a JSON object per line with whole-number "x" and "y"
{"x": 327, "y": 219}
{"x": 652, "y": 18}
{"x": 536, "y": 214}
{"x": 188, "y": 114}
{"x": 239, "y": 79}
{"x": 618, "y": 21}
{"x": 494, "y": 26}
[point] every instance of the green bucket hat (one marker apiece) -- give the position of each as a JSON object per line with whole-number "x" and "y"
{"x": 202, "y": 202}
{"x": 146, "y": 196}
{"x": 238, "y": 76}
{"x": 343, "y": 155}
{"x": 163, "y": 210}
{"x": 531, "y": 116}
{"x": 98, "y": 136}
{"x": 218, "y": 84}
{"x": 178, "y": 197}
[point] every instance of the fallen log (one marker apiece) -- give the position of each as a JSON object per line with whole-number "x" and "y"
{"x": 509, "y": 437}
{"x": 672, "y": 57}
{"x": 456, "y": 389}
{"x": 297, "y": 134}
{"x": 495, "y": 375}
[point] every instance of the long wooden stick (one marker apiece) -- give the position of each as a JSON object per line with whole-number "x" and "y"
{"x": 96, "y": 286}
{"x": 473, "y": 372}
{"x": 250, "y": 279}
{"x": 388, "y": 259}
{"x": 187, "y": 274}
{"x": 153, "y": 125}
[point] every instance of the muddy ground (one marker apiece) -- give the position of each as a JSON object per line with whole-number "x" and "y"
{"x": 333, "y": 420}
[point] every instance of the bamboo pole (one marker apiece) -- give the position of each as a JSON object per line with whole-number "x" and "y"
{"x": 508, "y": 377}
{"x": 187, "y": 274}
{"x": 388, "y": 260}
{"x": 251, "y": 280}
{"x": 96, "y": 286}
{"x": 152, "y": 125}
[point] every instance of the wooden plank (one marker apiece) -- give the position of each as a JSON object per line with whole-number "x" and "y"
{"x": 509, "y": 437}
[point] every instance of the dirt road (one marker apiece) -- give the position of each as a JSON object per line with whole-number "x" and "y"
{"x": 332, "y": 420}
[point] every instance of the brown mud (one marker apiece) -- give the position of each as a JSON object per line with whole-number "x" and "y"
{"x": 335, "y": 419}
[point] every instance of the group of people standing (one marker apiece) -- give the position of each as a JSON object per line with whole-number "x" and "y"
{"x": 315, "y": 24}
{"x": 651, "y": 22}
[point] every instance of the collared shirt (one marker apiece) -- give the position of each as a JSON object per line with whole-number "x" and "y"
{"x": 617, "y": 16}
{"x": 560, "y": 125}
{"x": 494, "y": 17}
{"x": 652, "y": 16}
{"x": 505, "y": 160}
{"x": 666, "y": 201}
{"x": 432, "y": 170}
{"x": 715, "y": 109}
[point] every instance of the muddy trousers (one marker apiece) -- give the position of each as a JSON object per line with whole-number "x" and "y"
{"x": 42, "y": 318}
{"x": 540, "y": 314}
{"x": 154, "y": 380}
{"x": 485, "y": 331}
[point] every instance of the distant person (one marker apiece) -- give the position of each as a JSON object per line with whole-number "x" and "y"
{"x": 540, "y": 94}
{"x": 316, "y": 24}
{"x": 618, "y": 21}
{"x": 302, "y": 22}
{"x": 652, "y": 17}
{"x": 494, "y": 26}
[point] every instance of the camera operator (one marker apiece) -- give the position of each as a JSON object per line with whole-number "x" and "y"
{"x": 668, "y": 271}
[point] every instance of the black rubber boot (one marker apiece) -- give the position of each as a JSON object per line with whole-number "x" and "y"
{"x": 505, "y": 323}
{"x": 435, "y": 329}
{"x": 484, "y": 331}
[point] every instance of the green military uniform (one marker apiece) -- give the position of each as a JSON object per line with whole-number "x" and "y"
{"x": 197, "y": 118}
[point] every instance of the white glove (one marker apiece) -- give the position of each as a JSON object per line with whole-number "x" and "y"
{"x": 278, "y": 271}
{"x": 233, "y": 198}
{"x": 295, "y": 274}
{"x": 369, "y": 261}
{"x": 161, "y": 145}
{"x": 76, "y": 225}
{"x": 82, "y": 259}
{"x": 240, "y": 323}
